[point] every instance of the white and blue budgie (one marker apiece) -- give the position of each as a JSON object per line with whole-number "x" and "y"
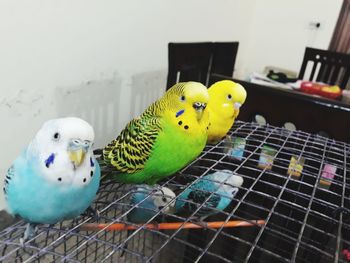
{"x": 224, "y": 184}
{"x": 148, "y": 201}
{"x": 56, "y": 177}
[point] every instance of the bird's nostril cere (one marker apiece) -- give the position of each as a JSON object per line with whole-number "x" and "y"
{"x": 198, "y": 105}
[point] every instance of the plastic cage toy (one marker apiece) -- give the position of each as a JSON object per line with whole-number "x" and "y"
{"x": 292, "y": 207}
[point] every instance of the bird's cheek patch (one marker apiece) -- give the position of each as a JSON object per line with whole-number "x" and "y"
{"x": 179, "y": 113}
{"x": 50, "y": 160}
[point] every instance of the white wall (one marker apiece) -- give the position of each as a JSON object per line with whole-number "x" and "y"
{"x": 280, "y": 31}
{"x": 99, "y": 59}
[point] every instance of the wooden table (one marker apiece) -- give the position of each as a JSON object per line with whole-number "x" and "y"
{"x": 308, "y": 113}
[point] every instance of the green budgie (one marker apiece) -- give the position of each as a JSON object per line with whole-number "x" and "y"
{"x": 168, "y": 135}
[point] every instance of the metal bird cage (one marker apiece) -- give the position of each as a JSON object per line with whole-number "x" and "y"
{"x": 292, "y": 207}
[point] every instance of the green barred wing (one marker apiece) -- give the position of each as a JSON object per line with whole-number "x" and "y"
{"x": 129, "y": 152}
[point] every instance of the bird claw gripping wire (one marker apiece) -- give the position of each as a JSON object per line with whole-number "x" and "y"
{"x": 91, "y": 212}
{"x": 29, "y": 233}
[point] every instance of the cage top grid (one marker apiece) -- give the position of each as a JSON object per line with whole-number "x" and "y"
{"x": 294, "y": 200}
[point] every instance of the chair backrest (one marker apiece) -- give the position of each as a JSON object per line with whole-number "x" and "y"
{"x": 327, "y": 66}
{"x": 188, "y": 61}
{"x": 224, "y": 58}
{"x": 197, "y": 61}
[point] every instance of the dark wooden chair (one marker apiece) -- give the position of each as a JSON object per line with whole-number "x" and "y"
{"x": 188, "y": 61}
{"x": 197, "y": 61}
{"x": 327, "y": 66}
{"x": 224, "y": 58}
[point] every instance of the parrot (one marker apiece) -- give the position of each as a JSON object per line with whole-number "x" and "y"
{"x": 148, "y": 201}
{"x": 224, "y": 184}
{"x": 168, "y": 135}
{"x": 56, "y": 177}
{"x": 226, "y": 98}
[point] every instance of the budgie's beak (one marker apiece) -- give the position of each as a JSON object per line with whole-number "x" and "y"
{"x": 237, "y": 105}
{"x": 199, "y": 107}
{"x": 77, "y": 150}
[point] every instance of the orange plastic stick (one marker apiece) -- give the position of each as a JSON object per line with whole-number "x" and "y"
{"x": 169, "y": 226}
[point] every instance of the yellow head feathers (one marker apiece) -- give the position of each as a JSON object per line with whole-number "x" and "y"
{"x": 187, "y": 93}
{"x": 190, "y": 97}
{"x": 227, "y": 93}
{"x": 226, "y": 97}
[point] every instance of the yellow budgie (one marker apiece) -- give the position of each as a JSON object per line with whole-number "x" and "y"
{"x": 226, "y": 97}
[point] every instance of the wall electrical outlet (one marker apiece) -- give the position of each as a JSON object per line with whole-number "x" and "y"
{"x": 315, "y": 25}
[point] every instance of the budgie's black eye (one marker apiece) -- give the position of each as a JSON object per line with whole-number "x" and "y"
{"x": 229, "y": 96}
{"x": 164, "y": 199}
{"x": 56, "y": 136}
{"x": 182, "y": 98}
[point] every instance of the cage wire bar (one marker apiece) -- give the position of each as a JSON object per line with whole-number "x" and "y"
{"x": 298, "y": 183}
